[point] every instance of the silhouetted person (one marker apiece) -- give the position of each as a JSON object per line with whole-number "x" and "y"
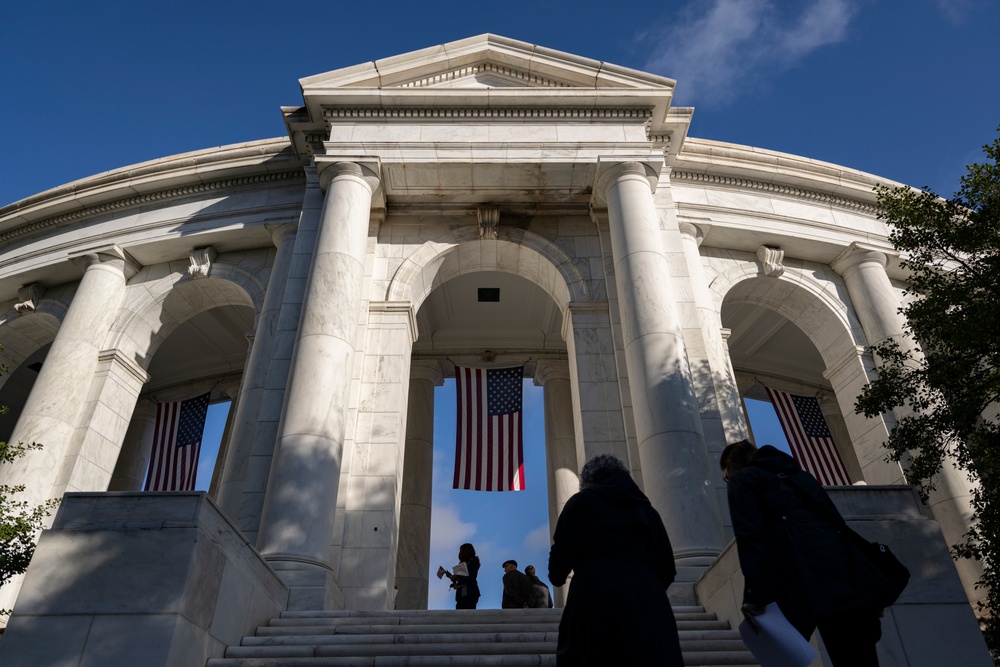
{"x": 465, "y": 583}
{"x": 540, "y": 596}
{"x": 617, "y": 611}
{"x": 792, "y": 552}
{"x": 516, "y": 587}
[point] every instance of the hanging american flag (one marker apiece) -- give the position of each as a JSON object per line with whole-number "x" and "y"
{"x": 808, "y": 436}
{"x": 173, "y": 465}
{"x": 489, "y": 454}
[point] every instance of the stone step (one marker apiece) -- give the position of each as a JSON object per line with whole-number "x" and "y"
{"x": 450, "y": 638}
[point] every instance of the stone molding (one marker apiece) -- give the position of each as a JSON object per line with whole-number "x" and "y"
{"x": 855, "y": 354}
{"x": 859, "y": 253}
{"x": 146, "y": 198}
{"x": 429, "y": 370}
{"x": 800, "y": 193}
{"x": 548, "y": 369}
{"x": 110, "y": 254}
{"x": 439, "y": 113}
{"x": 29, "y": 296}
{"x": 201, "y": 261}
{"x": 771, "y": 261}
{"x": 484, "y": 68}
{"x": 404, "y": 307}
{"x": 115, "y": 356}
{"x": 489, "y": 222}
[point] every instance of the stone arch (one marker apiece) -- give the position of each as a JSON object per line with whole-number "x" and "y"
{"x": 461, "y": 251}
{"x": 814, "y": 299}
{"x": 155, "y": 307}
{"x": 816, "y": 306}
{"x": 23, "y": 334}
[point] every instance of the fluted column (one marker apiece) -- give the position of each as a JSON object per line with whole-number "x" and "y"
{"x": 414, "y": 550}
{"x": 675, "y": 466}
{"x": 297, "y": 522}
{"x": 248, "y": 405}
{"x": 877, "y": 308}
{"x": 130, "y": 470}
{"x": 560, "y": 444}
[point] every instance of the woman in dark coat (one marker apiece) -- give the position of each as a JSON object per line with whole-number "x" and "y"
{"x": 614, "y": 542}
{"x": 788, "y": 535}
{"x": 466, "y": 586}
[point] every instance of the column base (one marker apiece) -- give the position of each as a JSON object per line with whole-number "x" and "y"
{"x": 311, "y": 586}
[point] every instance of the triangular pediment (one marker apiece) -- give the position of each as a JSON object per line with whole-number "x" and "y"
{"x": 485, "y": 61}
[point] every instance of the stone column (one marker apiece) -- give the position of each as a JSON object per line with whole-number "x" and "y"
{"x": 877, "y": 308}
{"x": 414, "y": 550}
{"x": 248, "y": 405}
{"x": 130, "y": 471}
{"x": 297, "y": 523}
{"x": 52, "y": 412}
{"x": 675, "y": 466}
{"x": 560, "y": 445}
{"x": 725, "y": 395}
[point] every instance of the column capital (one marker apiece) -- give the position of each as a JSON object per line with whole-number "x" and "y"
{"x": 548, "y": 369}
{"x": 427, "y": 369}
{"x": 861, "y": 253}
{"x": 367, "y": 170}
{"x": 692, "y": 231}
{"x": 279, "y": 233}
{"x": 614, "y": 170}
{"x": 113, "y": 256}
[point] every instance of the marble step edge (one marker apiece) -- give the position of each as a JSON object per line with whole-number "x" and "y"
{"x": 271, "y": 630}
{"x": 461, "y": 613}
{"x": 527, "y": 636}
{"x": 472, "y": 648}
{"x": 497, "y": 618}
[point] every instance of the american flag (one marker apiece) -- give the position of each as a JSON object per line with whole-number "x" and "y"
{"x": 177, "y": 444}
{"x": 489, "y": 454}
{"x": 808, "y": 435}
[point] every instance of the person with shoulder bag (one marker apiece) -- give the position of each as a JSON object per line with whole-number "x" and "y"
{"x": 540, "y": 597}
{"x": 794, "y": 550}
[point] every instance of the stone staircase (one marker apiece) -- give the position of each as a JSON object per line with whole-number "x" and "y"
{"x": 480, "y": 638}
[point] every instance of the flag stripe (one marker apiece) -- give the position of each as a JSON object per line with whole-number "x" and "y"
{"x": 177, "y": 436}
{"x": 808, "y": 436}
{"x": 489, "y": 448}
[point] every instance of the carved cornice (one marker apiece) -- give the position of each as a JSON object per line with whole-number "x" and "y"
{"x": 798, "y": 193}
{"x": 146, "y": 198}
{"x": 488, "y": 113}
{"x": 485, "y": 68}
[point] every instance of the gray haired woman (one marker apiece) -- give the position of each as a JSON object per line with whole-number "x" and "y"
{"x": 614, "y": 542}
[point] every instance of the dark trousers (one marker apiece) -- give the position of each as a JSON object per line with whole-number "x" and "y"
{"x": 849, "y": 637}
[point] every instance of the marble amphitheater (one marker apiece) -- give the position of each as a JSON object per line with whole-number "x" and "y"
{"x": 325, "y": 281}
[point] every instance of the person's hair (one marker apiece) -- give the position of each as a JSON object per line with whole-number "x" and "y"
{"x": 739, "y": 454}
{"x": 509, "y": 562}
{"x": 599, "y": 467}
{"x": 530, "y": 570}
{"x": 466, "y": 551}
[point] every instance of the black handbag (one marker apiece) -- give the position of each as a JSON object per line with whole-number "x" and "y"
{"x": 896, "y": 574}
{"x": 880, "y": 555}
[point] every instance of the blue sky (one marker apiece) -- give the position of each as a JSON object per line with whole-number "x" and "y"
{"x": 906, "y": 90}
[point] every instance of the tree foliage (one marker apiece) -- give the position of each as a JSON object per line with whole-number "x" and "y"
{"x": 19, "y": 521}
{"x": 949, "y": 387}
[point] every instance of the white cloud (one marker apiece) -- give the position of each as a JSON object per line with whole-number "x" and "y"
{"x": 714, "y": 53}
{"x": 538, "y": 539}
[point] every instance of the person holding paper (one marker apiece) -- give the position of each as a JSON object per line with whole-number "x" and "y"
{"x": 611, "y": 538}
{"x": 792, "y": 553}
{"x": 464, "y": 577}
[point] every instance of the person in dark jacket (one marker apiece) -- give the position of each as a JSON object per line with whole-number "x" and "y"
{"x": 791, "y": 550}
{"x": 540, "y": 596}
{"x": 611, "y": 538}
{"x": 466, "y": 586}
{"x": 516, "y": 587}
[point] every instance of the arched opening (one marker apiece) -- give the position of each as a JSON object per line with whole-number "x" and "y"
{"x": 511, "y": 321}
{"x": 771, "y": 351}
